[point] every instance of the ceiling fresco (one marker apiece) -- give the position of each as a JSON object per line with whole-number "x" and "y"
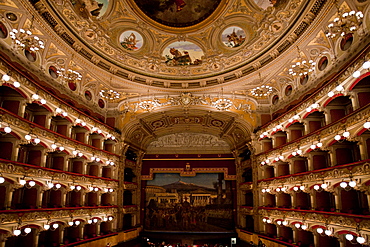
{"x": 178, "y": 13}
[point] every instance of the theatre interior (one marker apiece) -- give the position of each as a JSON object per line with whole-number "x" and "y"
{"x": 185, "y": 123}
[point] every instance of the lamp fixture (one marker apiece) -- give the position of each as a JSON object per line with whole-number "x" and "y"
{"x": 302, "y": 66}
{"x": 222, "y": 103}
{"x": 57, "y": 147}
{"x": 344, "y": 23}
{"x": 69, "y": 75}
{"x": 77, "y": 153}
{"x": 262, "y": 91}
{"x": 61, "y": 112}
{"x": 109, "y": 94}
{"x": 32, "y": 138}
{"x": 342, "y": 137}
{"x": 25, "y": 39}
{"x": 2, "y": 179}
{"x": 4, "y": 129}
{"x": 299, "y": 188}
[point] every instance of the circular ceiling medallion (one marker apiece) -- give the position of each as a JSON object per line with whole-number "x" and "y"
{"x": 233, "y": 36}
{"x": 178, "y": 13}
{"x": 131, "y": 40}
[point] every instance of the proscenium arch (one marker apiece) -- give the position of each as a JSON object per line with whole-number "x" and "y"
{"x": 225, "y": 125}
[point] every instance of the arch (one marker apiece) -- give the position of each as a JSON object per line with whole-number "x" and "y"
{"x": 358, "y": 80}
{"x": 18, "y": 90}
{"x": 332, "y": 98}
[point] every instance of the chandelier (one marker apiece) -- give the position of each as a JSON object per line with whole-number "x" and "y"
{"x": 69, "y": 75}
{"x": 345, "y": 23}
{"x": 109, "y": 94}
{"x": 148, "y": 105}
{"x": 302, "y": 66}
{"x": 222, "y": 103}
{"x": 262, "y": 91}
{"x": 24, "y": 39}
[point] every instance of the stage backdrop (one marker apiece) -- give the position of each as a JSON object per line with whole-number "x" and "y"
{"x": 199, "y": 203}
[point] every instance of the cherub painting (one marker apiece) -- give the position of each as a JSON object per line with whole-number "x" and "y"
{"x": 90, "y": 8}
{"x": 131, "y": 40}
{"x": 233, "y": 36}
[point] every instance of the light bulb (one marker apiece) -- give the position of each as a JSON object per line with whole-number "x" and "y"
{"x": 278, "y": 189}
{"x": 36, "y": 140}
{"x": 263, "y": 190}
{"x": 95, "y": 220}
{"x": 337, "y": 137}
{"x": 316, "y": 187}
{"x": 268, "y": 190}
{"x": 349, "y": 237}
{"x": 43, "y": 101}
{"x": 295, "y": 188}
{"x": 283, "y": 189}
{"x": 27, "y": 230}
{"x": 278, "y": 222}
{"x": 6, "y": 77}
{"x": 313, "y": 146}
{"x": 77, "y": 222}
{"x": 285, "y": 222}
{"x": 268, "y": 221}
{"x": 330, "y": 94}
{"x": 96, "y": 189}
{"x": 324, "y": 186}
{"x": 58, "y": 186}
{"x": 46, "y": 227}
{"x": 35, "y": 96}
{"x": 346, "y": 134}
{"x": 22, "y": 181}
{"x": 89, "y": 221}
{"x": 54, "y": 146}
{"x": 55, "y": 225}
{"x": 50, "y": 185}
{"x": 111, "y": 190}
{"x": 343, "y": 184}
{"x": 78, "y": 120}
{"x": 356, "y": 74}
{"x": 339, "y": 88}
{"x": 2, "y": 180}
{"x": 367, "y": 125}
{"x": 27, "y": 137}
{"x": 303, "y": 227}
{"x": 32, "y": 183}
{"x": 319, "y": 145}
{"x": 16, "y": 84}
{"x": 72, "y": 187}
{"x": 17, "y": 232}
{"x": 78, "y": 187}
{"x": 70, "y": 223}
{"x": 110, "y": 218}
{"x": 319, "y": 230}
{"x": 366, "y": 65}
{"x": 297, "y": 225}
{"x": 352, "y": 183}
{"x": 360, "y": 239}
{"x": 301, "y": 187}
{"x": 7, "y": 129}
{"x": 328, "y": 232}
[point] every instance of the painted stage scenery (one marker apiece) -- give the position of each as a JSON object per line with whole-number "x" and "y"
{"x": 202, "y": 203}
{"x": 233, "y": 36}
{"x": 178, "y": 13}
{"x": 183, "y": 53}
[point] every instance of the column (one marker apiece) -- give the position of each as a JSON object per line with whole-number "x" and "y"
{"x": 83, "y": 197}
{"x": 99, "y": 195}
{"x": 313, "y": 201}
{"x": 48, "y": 120}
{"x": 354, "y": 100}
{"x": 64, "y": 198}
{"x": 97, "y": 230}
{"x": 22, "y": 108}
{"x": 36, "y": 238}
{"x": 338, "y": 204}
{"x": 8, "y": 197}
{"x": 61, "y": 234}
{"x": 39, "y": 198}
{"x": 43, "y": 158}
{"x": 81, "y": 230}
{"x": 363, "y": 149}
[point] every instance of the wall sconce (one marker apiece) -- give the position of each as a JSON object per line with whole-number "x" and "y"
{"x": 62, "y": 112}
{"x": 341, "y": 137}
{"x": 32, "y": 138}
